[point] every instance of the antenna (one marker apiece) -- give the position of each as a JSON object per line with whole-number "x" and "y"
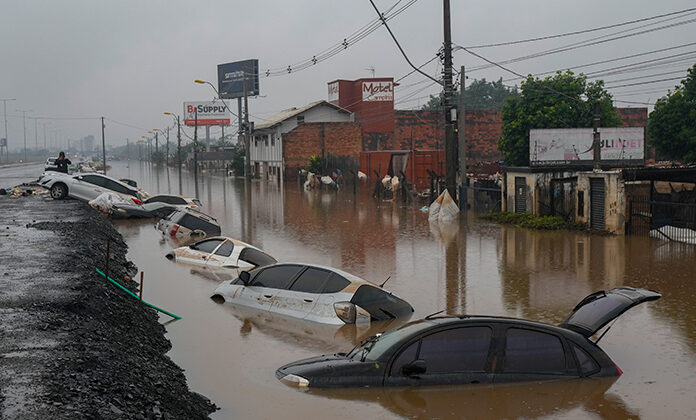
{"x": 371, "y": 69}
{"x": 384, "y": 282}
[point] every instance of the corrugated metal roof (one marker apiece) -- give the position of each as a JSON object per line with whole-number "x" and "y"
{"x": 292, "y": 112}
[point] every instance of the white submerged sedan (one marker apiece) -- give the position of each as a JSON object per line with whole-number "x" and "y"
{"x": 86, "y": 187}
{"x": 314, "y": 293}
{"x": 221, "y": 252}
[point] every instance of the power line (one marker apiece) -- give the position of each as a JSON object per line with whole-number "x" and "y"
{"x": 586, "y": 43}
{"x": 616, "y": 25}
{"x": 645, "y": 83}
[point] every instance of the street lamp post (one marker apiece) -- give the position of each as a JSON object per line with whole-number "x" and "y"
{"x": 178, "y": 143}
{"x": 4, "y": 103}
{"x": 24, "y": 122}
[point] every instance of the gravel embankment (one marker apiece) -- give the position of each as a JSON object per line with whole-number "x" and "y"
{"x": 73, "y": 345}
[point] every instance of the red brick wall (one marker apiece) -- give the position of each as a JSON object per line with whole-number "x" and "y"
{"x": 633, "y": 117}
{"x": 341, "y": 139}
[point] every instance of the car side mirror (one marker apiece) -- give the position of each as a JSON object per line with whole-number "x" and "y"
{"x": 416, "y": 367}
{"x": 244, "y": 276}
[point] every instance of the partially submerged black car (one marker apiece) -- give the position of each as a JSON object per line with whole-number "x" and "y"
{"x": 475, "y": 349}
{"x": 154, "y": 210}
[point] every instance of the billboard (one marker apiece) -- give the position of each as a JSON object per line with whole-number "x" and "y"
{"x": 377, "y": 91}
{"x": 231, "y": 79}
{"x": 560, "y": 146}
{"x": 209, "y": 113}
{"x": 333, "y": 91}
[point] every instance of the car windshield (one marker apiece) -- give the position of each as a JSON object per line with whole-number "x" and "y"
{"x": 374, "y": 347}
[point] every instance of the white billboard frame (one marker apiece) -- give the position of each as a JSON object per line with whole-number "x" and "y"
{"x": 209, "y": 113}
{"x": 573, "y": 146}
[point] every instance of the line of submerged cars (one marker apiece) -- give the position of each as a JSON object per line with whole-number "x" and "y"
{"x": 435, "y": 350}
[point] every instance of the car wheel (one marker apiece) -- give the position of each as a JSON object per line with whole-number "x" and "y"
{"x": 59, "y": 191}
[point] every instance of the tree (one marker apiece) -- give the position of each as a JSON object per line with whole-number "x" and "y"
{"x": 480, "y": 94}
{"x": 672, "y": 124}
{"x": 564, "y": 100}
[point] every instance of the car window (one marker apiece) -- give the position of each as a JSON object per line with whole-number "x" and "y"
{"x": 226, "y": 249}
{"x": 586, "y": 364}
{"x": 115, "y": 186}
{"x": 533, "y": 351}
{"x": 456, "y": 350}
{"x": 256, "y": 257}
{"x": 94, "y": 180}
{"x": 375, "y": 350}
{"x": 195, "y": 223}
{"x": 336, "y": 283}
{"x": 406, "y": 357}
{"x": 277, "y": 277}
{"x": 311, "y": 281}
{"x": 207, "y": 246}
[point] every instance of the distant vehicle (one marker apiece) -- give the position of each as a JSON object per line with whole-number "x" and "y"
{"x": 176, "y": 200}
{"x": 145, "y": 210}
{"x": 475, "y": 349}
{"x": 313, "y": 293}
{"x": 51, "y": 164}
{"x": 188, "y": 222}
{"x": 222, "y": 252}
{"x": 86, "y": 187}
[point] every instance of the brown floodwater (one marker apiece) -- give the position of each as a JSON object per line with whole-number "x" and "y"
{"x": 231, "y": 354}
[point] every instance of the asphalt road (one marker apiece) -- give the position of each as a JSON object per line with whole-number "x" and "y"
{"x": 15, "y": 174}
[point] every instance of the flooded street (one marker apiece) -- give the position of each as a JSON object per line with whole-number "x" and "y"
{"x": 230, "y": 354}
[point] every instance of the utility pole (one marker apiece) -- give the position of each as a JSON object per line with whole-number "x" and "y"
{"x": 156, "y": 141}
{"x": 596, "y": 149}
{"x": 24, "y": 122}
{"x": 7, "y": 141}
{"x": 222, "y": 127}
{"x": 36, "y": 133}
{"x": 178, "y": 147}
{"x": 45, "y": 145}
{"x": 462, "y": 143}
{"x": 127, "y": 149}
{"x": 195, "y": 150}
{"x": 103, "y": 146}
{"x": 450, "y": 110}
{"x": 247, "y": 139}
{"x": 166, "y": 157}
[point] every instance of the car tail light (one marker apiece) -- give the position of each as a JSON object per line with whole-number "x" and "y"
{"x": 619, "y": 369}
{"x": 137, "y": 201}
{"x": 351, "y": 313}
{"x": 175, "y": 229}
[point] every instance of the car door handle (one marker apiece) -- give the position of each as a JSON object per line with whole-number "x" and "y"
{"x": 308, "y": 300}
{"x": 268, "y": 296}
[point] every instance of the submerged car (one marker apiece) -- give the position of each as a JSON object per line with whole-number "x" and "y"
{"x": 222, "y": 252}
{"x": 86, "y": 187}
{"x": 145, "y": 210}
{"x": 186, "y": 222}
{"x": 50, "y": 164}
{"x": 475, "y": 349}
{"x": 175, "y": 200}
{"x": 313, "y": 293}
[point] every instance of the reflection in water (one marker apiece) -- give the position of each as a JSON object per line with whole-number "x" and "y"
{"x": 467, "y": 267}
{"x": 511, "y": 401}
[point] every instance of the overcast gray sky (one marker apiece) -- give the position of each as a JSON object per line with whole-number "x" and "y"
{"x": 132, "y": 60}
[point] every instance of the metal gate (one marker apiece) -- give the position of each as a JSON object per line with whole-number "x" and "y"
{"x": 597, "y": 199}
{"x": 520, "y": 194}
{"x": 664, "y": 220}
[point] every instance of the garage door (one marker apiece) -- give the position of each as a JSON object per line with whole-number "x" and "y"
{"x": 597, "y": 199}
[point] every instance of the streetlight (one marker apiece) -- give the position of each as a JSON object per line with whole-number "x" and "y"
{"x": 247, "y": 157}
{"x": 178, "y": 140}
{"x": 4, "y": 102}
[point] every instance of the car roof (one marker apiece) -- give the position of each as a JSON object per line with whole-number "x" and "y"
{"x": 236, "y": 242}
{"x": 470, "y": 319}
{"x": 194, "y": 213}
{"x": 350, "y": 277}
{"x": 105, "y": 176}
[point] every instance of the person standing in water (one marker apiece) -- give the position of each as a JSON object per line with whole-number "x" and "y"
{"x": 62, "y": 163}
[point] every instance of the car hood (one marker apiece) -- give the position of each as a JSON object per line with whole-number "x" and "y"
{"x": 325, "y": 365}
{"x": 598, "y": 309}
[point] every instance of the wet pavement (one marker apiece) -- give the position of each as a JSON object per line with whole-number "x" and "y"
{"x": 230, "y": 354}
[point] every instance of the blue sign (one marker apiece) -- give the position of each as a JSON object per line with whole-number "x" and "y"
{"x": 236, "y": 78}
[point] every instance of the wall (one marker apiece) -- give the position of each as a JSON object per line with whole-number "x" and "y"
{"x": 338, "y": 139}
{"x": 614, "y": 201}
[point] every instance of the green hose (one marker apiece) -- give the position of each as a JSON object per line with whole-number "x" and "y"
{"x": 136, "y": 296}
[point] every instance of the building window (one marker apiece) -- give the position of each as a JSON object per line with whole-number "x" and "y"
{"x": 300, "y": 119}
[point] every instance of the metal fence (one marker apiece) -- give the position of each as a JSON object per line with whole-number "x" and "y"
{"x": 483, "y": 199}
{"x": 664, "y": 220}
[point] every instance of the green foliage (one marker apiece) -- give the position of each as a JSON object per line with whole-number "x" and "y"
{"x": 158, "y": 157}
{"x": 480, "y": 94}
{"x": 672, "y": 124}
{"x": 563, "y": 100}
{"x": 314, "y": 164}
{"x": 529, "y": 221}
